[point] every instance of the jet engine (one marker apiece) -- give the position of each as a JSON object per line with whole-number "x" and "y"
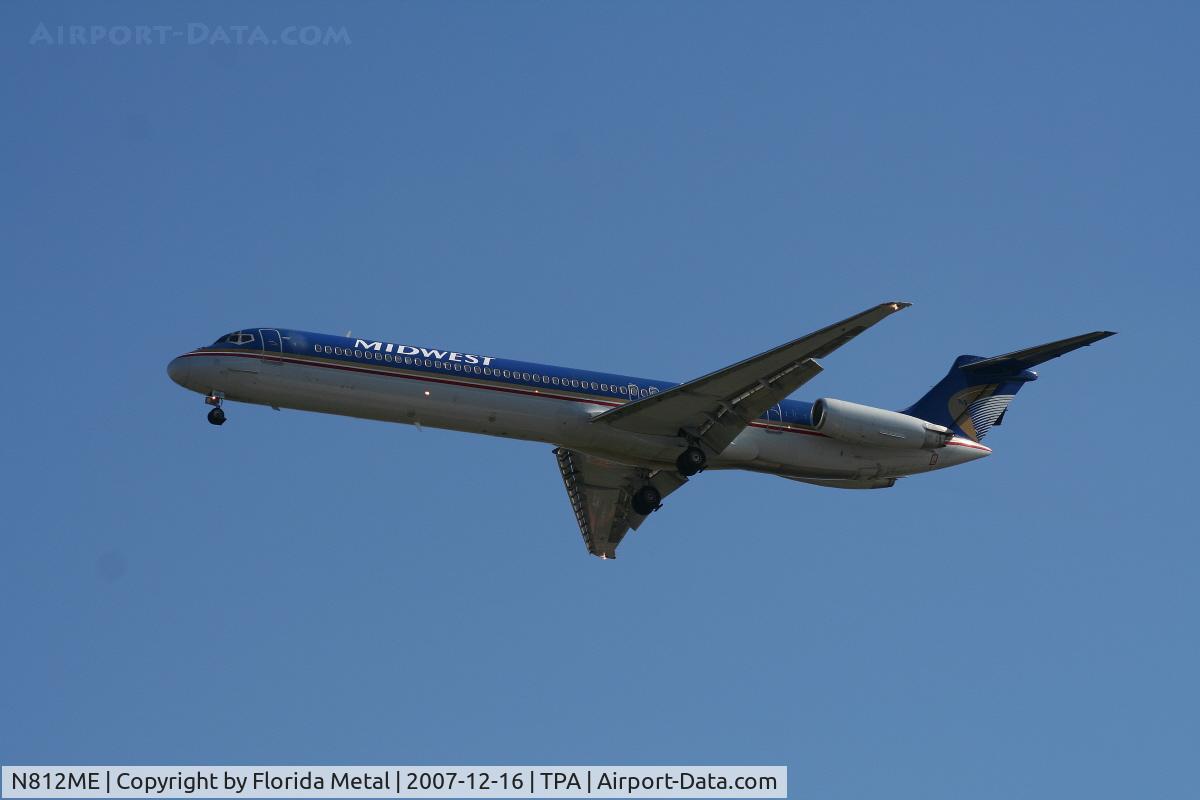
{"x": 876, "y": 427}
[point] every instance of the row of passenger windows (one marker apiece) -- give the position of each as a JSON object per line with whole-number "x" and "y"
{"x": 531, "y": 377}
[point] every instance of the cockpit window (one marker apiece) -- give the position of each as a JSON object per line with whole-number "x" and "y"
{"x": 235, "y": 338}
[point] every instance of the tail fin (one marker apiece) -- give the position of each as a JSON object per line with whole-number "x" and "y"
{"x": 975, "y": 393}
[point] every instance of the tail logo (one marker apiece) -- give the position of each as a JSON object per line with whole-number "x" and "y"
{"x": 985, "y": 412}
{"x": 976, "y": 409}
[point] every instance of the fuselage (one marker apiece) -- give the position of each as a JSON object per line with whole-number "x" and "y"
{"x": 485, "y": 394}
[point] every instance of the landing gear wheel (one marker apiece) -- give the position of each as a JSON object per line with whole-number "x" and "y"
{"x": 646, "y": 500}
{"x": 691, "y": 461}
{"x": 216, "y": 416}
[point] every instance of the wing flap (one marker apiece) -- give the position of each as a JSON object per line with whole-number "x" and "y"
{"x": 718, "y": 406}
{"x": 600, "y": 490}
{"x": 733, "y": 416}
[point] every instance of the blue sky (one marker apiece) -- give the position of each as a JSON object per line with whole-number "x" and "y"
{"x": 655, "y": 189}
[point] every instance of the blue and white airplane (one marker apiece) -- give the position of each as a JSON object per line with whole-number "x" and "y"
{"x": 625, "y": 443}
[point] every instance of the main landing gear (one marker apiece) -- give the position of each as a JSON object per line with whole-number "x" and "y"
{"x": 217, "y": 415}
{"x": 691, "y": 461}
{"x": 646, "y": 500}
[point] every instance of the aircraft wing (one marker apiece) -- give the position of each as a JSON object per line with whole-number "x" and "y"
{"x": 718, "y": 406}
{"x": 600, "y": 492}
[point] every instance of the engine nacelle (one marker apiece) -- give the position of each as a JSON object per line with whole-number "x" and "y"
{"x": 876, "y": 427}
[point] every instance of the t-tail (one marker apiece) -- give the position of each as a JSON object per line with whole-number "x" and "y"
{"x": 975, "y": 393}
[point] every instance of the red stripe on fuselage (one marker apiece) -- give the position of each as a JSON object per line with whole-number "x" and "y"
{"x": 971, "y": 446}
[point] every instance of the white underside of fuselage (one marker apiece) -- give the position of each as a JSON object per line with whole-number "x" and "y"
{"x": 789, "y": 451}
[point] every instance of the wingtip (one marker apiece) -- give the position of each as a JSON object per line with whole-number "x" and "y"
{"x": 898, "y": 305}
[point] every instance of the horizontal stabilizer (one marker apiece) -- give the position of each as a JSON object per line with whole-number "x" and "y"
{"x": 973, "y": 398}
{"x": 1032, "y": 356}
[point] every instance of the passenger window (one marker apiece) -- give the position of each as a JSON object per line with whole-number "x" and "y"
{"x": 337, "y": 351}
{"x": 427, "y": 362}
{"x": 316, "y": 348}
{"x": 328, "y": 349}
{"x": 623, "y": 390}
{"x": 604, "y": 387}
{"x": 595, "y": 386}
{"x": 487, "y": 370}
{"x": 575, "y": 383}
{"x": 554, "y": 380}
{"x": 458, "y": 367}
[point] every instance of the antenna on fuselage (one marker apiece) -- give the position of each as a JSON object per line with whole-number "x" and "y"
{"x": 348, "y": 334}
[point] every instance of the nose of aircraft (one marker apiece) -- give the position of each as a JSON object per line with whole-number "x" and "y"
{"x": 178, "y": 370}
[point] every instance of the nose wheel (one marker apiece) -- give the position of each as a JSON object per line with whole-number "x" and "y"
{"x": 217, "y": 415}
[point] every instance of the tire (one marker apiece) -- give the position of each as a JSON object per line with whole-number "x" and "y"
{"x": 216, "y": 416}
{"x": 646, "y": 500}
{"x": 691, "y": 461}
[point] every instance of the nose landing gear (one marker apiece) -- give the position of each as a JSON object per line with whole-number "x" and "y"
{"x": 217, "y": 415}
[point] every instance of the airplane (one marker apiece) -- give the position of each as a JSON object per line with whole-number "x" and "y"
{"x": 624, "y": 443}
